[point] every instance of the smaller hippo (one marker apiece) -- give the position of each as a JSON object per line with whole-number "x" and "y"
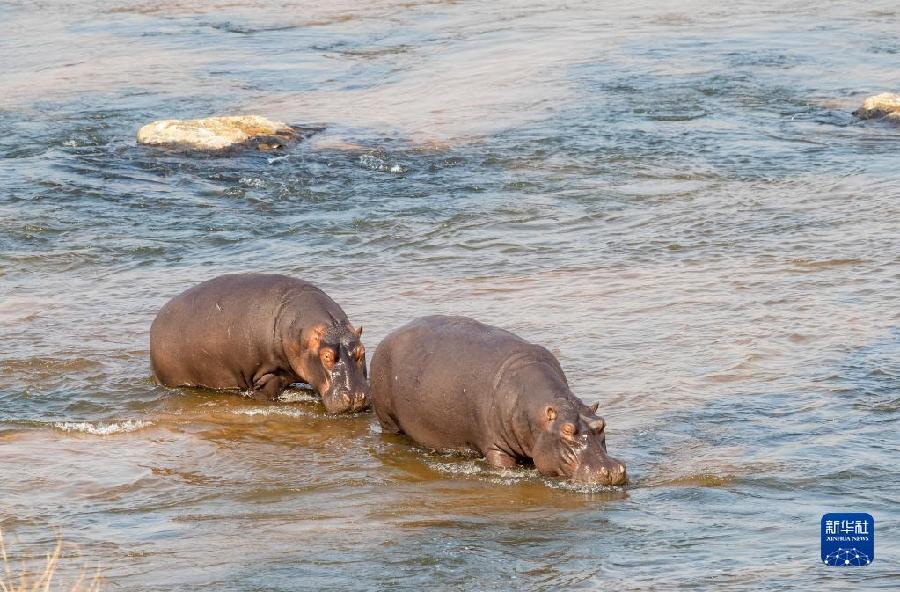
{"x": 454, "y": 383}
{"x": 260, "y": 333}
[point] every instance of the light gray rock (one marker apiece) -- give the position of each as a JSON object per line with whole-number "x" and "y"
{"x": 883, "y": 106}
{"x": 217, "y": 133}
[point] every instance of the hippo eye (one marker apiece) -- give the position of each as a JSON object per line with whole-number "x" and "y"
{"x": 568, "y": 429}
{"x": 327, "y": 356}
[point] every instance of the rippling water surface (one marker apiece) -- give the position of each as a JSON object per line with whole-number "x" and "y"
{"x": 676, "y": 201}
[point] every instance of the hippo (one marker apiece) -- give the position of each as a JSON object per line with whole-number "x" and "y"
{"x": 452, "y": 383}
{"x": 260, "y": 333}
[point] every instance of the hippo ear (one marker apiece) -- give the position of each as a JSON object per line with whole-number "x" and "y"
{"x": 549, "y": 413}
{"x": 359, "y": 332}
{"x": 597, "y": 425}
{"x": 595, "y": 406}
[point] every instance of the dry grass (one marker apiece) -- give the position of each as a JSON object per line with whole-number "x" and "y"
{"x": 22, "y": 580}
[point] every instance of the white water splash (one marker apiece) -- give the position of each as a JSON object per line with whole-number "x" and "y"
{"x": 284, "y": 411}
{"x": 375, "y": 163}
{"x": 103, "y": 429}
{"x": 478, "y": 470}
{"x": 298, "y": 396}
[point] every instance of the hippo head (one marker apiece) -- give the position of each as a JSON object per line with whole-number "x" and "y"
{"x": 572, "y": 443}
{"x": 332, "y": 360}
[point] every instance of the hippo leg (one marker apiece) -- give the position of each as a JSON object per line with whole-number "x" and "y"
{"x": 499, "y": 459}
{"x": 388, "y": 423}
{"x": 267, "y": 387}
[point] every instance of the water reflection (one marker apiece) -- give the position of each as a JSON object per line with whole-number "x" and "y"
{"x": 676, "y": 202}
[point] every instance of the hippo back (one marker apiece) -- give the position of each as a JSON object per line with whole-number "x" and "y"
{"x": 216, "y": 333}
{"x": 436, "y": 378}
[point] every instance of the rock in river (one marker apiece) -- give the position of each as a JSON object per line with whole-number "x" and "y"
{"x": 886, "y": 105}
{"x": 218, "y": 133}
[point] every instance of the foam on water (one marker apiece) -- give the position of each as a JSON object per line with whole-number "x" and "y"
{"x": 264, "y": 411}
{"x": 477, "y": 469}
{"x": 376, "y": 163}
{"x": 102, "y": 428}
{"x": 299, "y": 396}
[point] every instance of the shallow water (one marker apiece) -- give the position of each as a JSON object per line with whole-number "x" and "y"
{"x": 676, "y": 201}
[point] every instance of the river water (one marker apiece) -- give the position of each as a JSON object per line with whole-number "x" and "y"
{"x": 674, "y": 199}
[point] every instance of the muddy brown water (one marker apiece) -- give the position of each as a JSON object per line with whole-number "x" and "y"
{"x": 675, "y": 200}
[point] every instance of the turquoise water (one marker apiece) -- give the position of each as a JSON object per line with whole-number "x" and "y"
{"x": 677, "y": 202}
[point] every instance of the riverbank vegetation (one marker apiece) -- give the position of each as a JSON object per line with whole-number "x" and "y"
{"x": 25, "y": 578}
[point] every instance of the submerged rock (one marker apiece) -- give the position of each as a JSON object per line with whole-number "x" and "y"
{"x": 883, "y": 106}
{"x": 219, "y": 133}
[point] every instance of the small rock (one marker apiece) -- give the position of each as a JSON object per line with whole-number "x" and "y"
{"x": 886, "y": 105}
{"x": 218, "y": 133}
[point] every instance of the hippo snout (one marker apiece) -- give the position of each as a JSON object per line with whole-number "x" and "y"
{"x": 608, "y": 471}
{"x": 346, "y": 402}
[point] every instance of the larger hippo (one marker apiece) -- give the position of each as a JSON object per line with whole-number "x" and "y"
{"x": 454, "y": 383}
{"x": 260, "y": 333}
